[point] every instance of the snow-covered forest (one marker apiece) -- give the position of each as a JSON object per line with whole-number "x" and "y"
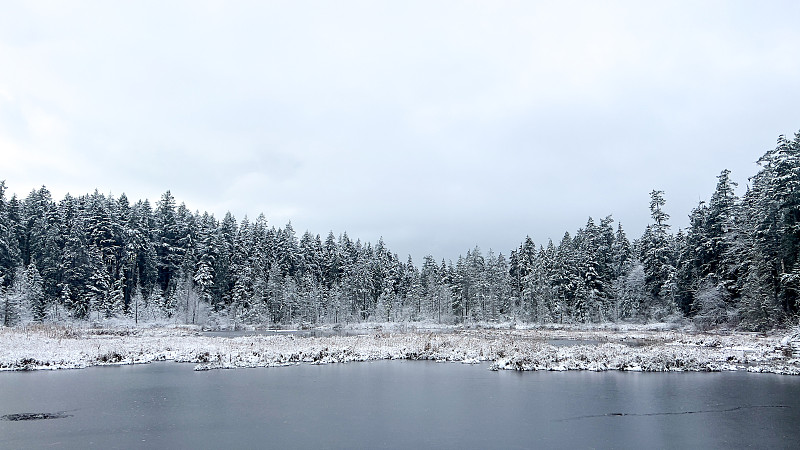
{"x": 98, "y": 257}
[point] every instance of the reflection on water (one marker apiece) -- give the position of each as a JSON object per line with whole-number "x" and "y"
{"x": 397, "y": 404}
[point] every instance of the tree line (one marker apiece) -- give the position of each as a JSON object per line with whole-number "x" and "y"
{"x": 98, "y": 257}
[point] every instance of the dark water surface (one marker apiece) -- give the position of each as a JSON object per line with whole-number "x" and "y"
{"x": 396, "y": 404}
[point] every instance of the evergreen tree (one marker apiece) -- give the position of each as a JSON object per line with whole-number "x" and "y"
{"x": 567, "y": 280}
{"x": 10, "y": 305}
{"x": 167, "y": 243}
{"x": 631, "y": 293}
{"x": 287, "y": 253}
{"x": 104, "y": 290}
{"x": 33, "y": 288}
{"x": 331, "y": 261}
{"x": 657, "y": 256}
{"x": 621, "y": 253}
{"x": 430, "y": 284}
{"x": 40, "y": 238}
{"x": 204, "y": 279}
{"x": 722, "y": 211}
{"x": 775, "y": 218}
{"x": 736, "y": 263}
{"x": 9, "y": 253}
{"x": 224, "y": 245}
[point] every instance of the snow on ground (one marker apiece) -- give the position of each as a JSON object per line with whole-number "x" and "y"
{"x": 652, "y": 349}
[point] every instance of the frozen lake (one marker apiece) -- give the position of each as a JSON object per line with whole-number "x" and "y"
{"x": 396, "y": 404}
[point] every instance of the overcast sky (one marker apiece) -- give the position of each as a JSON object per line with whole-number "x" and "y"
{"x": 437, "y": 125}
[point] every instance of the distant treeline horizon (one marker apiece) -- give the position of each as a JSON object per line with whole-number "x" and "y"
{"x": 99, "y": 257}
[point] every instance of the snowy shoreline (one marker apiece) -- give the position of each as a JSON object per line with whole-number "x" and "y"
{"x": 596, "y": 349}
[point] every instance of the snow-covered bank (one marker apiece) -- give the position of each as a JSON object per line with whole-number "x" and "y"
{"x": 53, "y": 347}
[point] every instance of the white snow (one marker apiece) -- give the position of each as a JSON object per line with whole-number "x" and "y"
{"x": 631, "y": 349}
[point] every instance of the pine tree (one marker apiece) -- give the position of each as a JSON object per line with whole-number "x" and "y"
{"x": 168, "y": 246}
{"x": 430, "y": 283}
{"x": 39, "y": 239}
{"x": 631, "y": 293}
{"x": 33, "y": 288}
{"x": 722, "y": 211}
{"x": 142, "y": 245}
{"x": 204, "y": 279}
{"x": 311, "y": 299}
{"x": 621, "y": 253}
{"x": 9, "y": 253}
{"x": 567, "y": 280}
{"x": 76, "y": 264}
{"x": 224, "y": 245}
{"x": 275, "y": 294}
{"x": 291, "y": 299}
{"x": 335, "y": 304}
{"x": 286, "y": 252}
{"x": 657, "y": 256}
{"x": 757, "y": 308}
{"x": 774, "y": 214}
{"x": 10, "y": 307}
{"x": 105, "y": 291}
{"x": 331, "y": 261}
